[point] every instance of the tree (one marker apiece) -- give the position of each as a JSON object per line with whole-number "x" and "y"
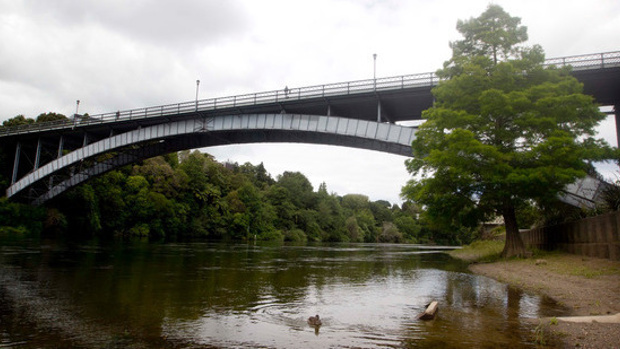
{"x": 492, "y": 34}
{"x": 47, "y": 117}
{"x": 504, "y": 130}
{"x": 299, "y": 188}
{"x": 355, "y": 202}
{"x": 17, "y": 120}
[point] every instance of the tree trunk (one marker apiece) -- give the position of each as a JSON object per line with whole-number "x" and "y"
{"x": 514, "y": 244}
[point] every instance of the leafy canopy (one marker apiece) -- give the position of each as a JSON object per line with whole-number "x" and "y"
{"x": 504, "y": 129}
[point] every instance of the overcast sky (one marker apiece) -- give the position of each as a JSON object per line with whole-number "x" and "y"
{"x": 116, "y": 54}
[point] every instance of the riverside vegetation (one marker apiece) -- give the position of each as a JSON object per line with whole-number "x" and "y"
{"x": 190, "y": 195}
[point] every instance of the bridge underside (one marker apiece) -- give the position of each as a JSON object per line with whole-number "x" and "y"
{"x": 84, "y": 163}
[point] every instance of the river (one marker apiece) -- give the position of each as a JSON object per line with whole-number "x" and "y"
{"x": 215, "y": 295}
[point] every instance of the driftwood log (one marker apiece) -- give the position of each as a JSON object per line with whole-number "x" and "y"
{"x": 430, "y": 312}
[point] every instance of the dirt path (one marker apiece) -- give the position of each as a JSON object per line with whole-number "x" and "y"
{"x": 587, "y": 286}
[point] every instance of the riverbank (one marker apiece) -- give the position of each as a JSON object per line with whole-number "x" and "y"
{"x": 586, "y": 286}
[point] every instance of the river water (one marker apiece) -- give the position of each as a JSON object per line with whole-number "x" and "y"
{"x": 210, "y": 295}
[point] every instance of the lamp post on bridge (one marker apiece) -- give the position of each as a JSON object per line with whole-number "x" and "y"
{"x": 374, "y": 70}
{"x": 374, "y": 78}
{"x": 197, "y": 87}
{"x": 77, "y": 109}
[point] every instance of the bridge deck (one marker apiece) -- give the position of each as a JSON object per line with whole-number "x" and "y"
{"x": 402, "y": 98}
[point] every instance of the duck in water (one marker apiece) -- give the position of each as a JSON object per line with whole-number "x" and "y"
{"x": 314, "y": 321}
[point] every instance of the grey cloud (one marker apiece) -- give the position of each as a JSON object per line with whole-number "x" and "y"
{"x": 180, "y": 22}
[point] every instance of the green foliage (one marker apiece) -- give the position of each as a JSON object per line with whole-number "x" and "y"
{"x": 17, "y": 121}
{"x": 20, "y": 218}
{"x": 299, "y": 188}
{"x": 190, "y": 195}
{"x": 390, "y": 234}
{"x": 295, "y": 235}
{"x": 47, "y": 117}
{"x": 504, "y": 131}
{"x": 493, "y": 34}
{"x": 409, "y": 228}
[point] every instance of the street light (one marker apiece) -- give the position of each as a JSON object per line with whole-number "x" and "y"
{"x": 77, "y": 109}
{"x": 374, "y": 57}
{"x": 197, "y": 87}
{"x": 374, "y": 73}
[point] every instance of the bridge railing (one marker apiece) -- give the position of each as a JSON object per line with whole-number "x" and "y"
{"x": 589, "y": 61}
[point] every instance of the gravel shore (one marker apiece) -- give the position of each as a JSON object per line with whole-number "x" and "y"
{"x": 587, "y": 286}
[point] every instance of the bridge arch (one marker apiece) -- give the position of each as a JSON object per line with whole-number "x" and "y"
{"x": 65, "y": 172}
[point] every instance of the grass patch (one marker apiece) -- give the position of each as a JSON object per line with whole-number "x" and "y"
{"x": 480, "y": 251}
{"x": 568, "y": 264}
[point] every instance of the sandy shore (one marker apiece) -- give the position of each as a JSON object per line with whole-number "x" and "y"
{"x": 587, "y": 286}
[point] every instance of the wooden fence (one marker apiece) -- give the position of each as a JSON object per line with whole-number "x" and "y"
{"x": 593, "y": 236}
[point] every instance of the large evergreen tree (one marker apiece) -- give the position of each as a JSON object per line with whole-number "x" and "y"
{"x": 504, "y": 129}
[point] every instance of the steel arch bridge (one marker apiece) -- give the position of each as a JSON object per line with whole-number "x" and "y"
{"x": 98, "y": 157}
{"x": 53, "y": 157}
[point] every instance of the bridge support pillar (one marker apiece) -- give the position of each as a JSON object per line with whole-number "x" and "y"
{"x": 37, "y": 157}
{"x": 61, "y": 145}
{"x": 617, "y": 115}
{"x": 378, "y": 111}
{"x": 617, "y": 118}
{"x": 18, "y": 152}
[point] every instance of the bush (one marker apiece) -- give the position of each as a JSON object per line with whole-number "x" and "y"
{"x": 23, "y": 218}
{"x": 295, "y": 235}
{"x": 139, "y": 230}
{"x": 273, "y": 235}
{"x": 390, "y": 234}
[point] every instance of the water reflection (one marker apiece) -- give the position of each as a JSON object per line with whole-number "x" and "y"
{"x": 203, "y": 295}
